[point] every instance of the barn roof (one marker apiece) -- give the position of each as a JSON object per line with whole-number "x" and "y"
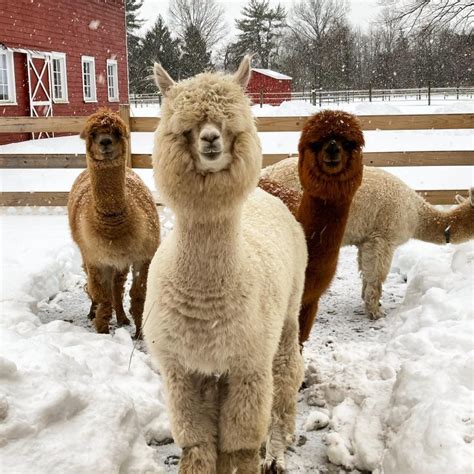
{"x": 270, "y": 73}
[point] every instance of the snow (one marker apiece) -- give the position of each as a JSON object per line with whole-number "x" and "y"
{"x": 70, "y": 400}
{"x": 391, "y": 396}
{"x": 273, "y": 74}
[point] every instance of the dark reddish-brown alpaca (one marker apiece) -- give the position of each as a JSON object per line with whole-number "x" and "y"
{"x": 330, "y": 170}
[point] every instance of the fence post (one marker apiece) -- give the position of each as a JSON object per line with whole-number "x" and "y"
{"x": 261, "y": 98}
{"x": 124, "y": 111}
{"x": 429, "y": 92}
{"x": 320, "y": 96}
{"x": 457, "y": 92}
{"x": 313, "y": 96}
{"x": 370, "y": 92}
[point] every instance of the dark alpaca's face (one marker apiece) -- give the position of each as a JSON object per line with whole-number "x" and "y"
{"x": 332, "y": 156}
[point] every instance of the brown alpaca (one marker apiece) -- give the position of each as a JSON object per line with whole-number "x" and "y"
{"x": 330, "y": 170}
{"x": 113, "y": 220}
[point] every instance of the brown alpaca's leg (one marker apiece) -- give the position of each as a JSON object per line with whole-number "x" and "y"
{"x": 99, "y": 285}
{"x": 92, "y": 310}
{"x": 244, "y": 418}
{"x": 192, "y": 403}
{"x": 117, "y": 291}
{"x": 375, "y": 258}
{"x": 288, "y": 372}
{"x": 137, "y": 294}
{"x": 93, "y": 307}
{"x": 307, "y": 316}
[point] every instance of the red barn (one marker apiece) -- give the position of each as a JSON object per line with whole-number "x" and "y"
{"x": 276, "y": 87}
{"x": 61, "y": 57}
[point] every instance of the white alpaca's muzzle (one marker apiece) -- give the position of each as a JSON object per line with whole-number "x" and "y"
{"x": 212, "y": 155}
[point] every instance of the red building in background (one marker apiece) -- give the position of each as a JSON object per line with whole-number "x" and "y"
{"x": 61, "y": 57}
{"x": 275, "y": 87}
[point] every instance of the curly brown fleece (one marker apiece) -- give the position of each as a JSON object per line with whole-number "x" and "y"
{"x": 113, "y": 220}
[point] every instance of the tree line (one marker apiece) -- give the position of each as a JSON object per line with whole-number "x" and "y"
{"x": 413, "y": 42}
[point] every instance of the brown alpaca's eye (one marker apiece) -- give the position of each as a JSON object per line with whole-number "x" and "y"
{"x": 349, "y": 145}
{"x": 315, "y": 146}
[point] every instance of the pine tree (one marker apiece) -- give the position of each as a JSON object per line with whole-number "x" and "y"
{"x": 261, "y": 32}
{"x": 158, "y": 46}
{"x": 131, "y": 12}
{"x": 195, "y": 58}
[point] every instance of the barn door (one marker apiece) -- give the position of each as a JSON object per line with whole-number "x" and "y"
{"x": 39, "y": 87}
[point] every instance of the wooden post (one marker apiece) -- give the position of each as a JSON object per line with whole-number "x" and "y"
{"x": 457, "y": 92}
{"x": 124, "y": 111}
{"x": 313, "y": 96}
{"x": 261, "y": 97}
{"x": 429, "y": 92}
{"x": 370, "y": 92}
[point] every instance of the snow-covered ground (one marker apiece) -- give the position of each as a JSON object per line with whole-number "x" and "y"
{"x": 392, "y": 396}
{"x": 426, "y": 177}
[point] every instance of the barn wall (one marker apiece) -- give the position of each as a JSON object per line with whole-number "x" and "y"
{"x": 68, "y": 27}
{"x": 269, "y": 85}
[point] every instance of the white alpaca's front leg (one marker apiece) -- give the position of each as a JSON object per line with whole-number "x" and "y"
{"x": 192, "y": 403}
{"x": 245, "y": 407}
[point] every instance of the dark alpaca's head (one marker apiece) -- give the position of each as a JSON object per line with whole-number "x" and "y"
{"x": 330, "y": 155}
{"x": 106, "y": 136}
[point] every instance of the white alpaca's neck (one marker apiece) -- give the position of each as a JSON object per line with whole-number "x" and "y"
{"x": 208, "y": 257}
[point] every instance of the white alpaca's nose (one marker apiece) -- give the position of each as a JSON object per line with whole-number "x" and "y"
{"x": 210, "y": 136}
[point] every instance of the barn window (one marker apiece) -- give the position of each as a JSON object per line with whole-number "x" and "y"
{"x": 7, "y": 78}
{"x": 88, "y": 79}
{"x": 112, "y": 80}
{"x": 59, "y": 77}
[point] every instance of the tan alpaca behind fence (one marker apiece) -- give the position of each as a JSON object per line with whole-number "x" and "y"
{"x": 384, "y": 214}
{"x": 114, "y": 221}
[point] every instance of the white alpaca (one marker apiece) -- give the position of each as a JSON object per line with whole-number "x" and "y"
{"x": 386, "y": 213}
{"x": 225, "y": 286}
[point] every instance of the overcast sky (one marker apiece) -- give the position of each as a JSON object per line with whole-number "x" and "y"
{"x": 362, "y": 13}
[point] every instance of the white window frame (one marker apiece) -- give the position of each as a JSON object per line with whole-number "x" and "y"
{"x": 61, "y": 57}
{"x": 93, "y": 95}
{"x": 11, "y": 100}
{"x": 114, "y": 78}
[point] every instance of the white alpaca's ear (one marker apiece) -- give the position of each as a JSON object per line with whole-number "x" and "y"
{"x": 162, "y": 78}
{"x": 242, "y": 76}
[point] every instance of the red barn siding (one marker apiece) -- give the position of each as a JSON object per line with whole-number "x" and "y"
{"x": 275, "y": 91}
{"x": 63, "y": 26}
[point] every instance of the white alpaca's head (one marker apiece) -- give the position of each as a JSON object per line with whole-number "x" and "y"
{"x": 207, "y": 153}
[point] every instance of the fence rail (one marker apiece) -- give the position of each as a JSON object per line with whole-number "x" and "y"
{"x": 264, "y": 124}
{"x": 319, "y": 96}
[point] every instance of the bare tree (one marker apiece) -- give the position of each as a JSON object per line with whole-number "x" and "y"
{"x": 311, "y": 19}
{"x": 206, "y": 16}
{"x": 428, "y": 16}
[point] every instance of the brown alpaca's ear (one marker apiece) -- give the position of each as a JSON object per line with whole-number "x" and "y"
{"x": 242, "y": 76}
{"x": 85, "y": 131}
{"x": 162, "y": 79}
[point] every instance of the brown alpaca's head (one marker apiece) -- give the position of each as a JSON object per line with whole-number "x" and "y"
{"x": 106, "y": 136}
{"x": 330, "y": 155}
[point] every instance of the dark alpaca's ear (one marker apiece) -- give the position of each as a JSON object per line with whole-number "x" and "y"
{"x": 162, "y": 79}
{"x": 242, "y": 76}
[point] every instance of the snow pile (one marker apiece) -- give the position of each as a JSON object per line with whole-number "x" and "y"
{"x": 70, "y": 400}
{"x": 405, "y": 405}
{"x": 430, "y": 421}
